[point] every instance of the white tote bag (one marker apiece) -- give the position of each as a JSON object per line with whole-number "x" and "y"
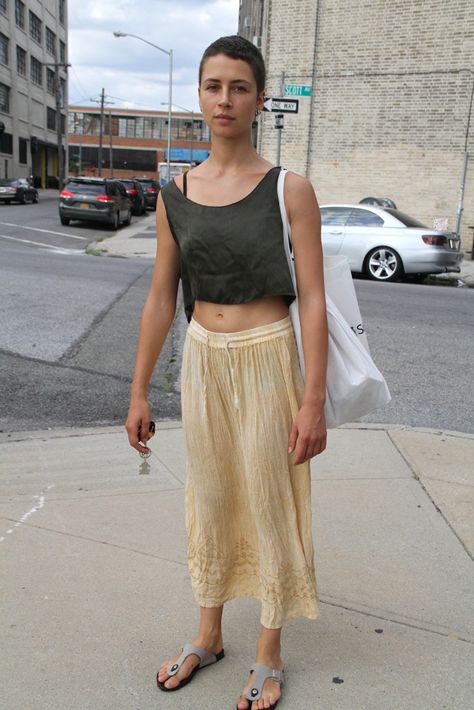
{"x": 354, "y": 385}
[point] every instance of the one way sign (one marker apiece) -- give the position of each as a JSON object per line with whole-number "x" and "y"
{"x": 281, "y": 105}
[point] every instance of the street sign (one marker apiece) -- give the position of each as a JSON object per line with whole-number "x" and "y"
{"x": 281, "y": 105}
{"x": 298, "y": 89}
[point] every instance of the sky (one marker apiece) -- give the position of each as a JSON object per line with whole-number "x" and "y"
{"x": 133, "y": 74}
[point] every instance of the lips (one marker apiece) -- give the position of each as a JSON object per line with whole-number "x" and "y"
{"x": 225, "y": 116}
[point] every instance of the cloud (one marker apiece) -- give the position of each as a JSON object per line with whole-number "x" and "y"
{"x": 132, "y": 70}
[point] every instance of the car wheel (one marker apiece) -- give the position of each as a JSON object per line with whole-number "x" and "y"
{"x": 64, "y": 220}
{"x": 128, "y": 218}
{"x": 8, "y": 202}
{"x": 35, "y": 200}
{"x": 22, "y": 200}
{"x": 115, "y": 221}
{"x": 383, "y": 264}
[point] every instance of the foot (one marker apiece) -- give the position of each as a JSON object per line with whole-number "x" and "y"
{"x": 214, "y": 645}
{"x": 271, "y": 688}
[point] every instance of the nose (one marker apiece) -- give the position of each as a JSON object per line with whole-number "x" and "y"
{"x": 224, "y": 99}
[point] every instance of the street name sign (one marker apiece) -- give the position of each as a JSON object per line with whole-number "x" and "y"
{"x": 298, "y": 89}
{"x": 281, "y": 105}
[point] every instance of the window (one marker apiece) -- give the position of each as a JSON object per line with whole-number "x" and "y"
{"x": 36, "y": 28}
{"x": 51, "y": 119}
{"x": 50, "y": 42}
{"x": 20, "y": 61}
{"x": 364, "y": 218}
{"x": 335, "y": 215}
{"x": 50, "y": 82}
{"x": 36, "y": 71}
{"x": 62, "y": 12}
{"x": 405, "y": 219}
{"x": 62, "y": 51}
{"x": 3, "y": 49}
{"x": 20, "y": 14}
{"x": 4, "y": 98}
{"x": 3, "y": 6}
{"x": 6, "y": 143}
{"x": 23, "y": 150}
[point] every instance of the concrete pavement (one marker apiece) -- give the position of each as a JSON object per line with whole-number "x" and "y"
{"x": 96, "y": 591}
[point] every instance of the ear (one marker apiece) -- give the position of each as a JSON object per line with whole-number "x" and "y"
{"x": 260, "y": 101}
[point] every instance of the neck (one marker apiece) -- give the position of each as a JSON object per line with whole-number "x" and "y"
{"x": 228, "y": 155}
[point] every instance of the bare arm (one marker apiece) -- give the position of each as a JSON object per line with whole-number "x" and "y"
{"x": 309, "y": 429}
{"x": 157, "y": 317}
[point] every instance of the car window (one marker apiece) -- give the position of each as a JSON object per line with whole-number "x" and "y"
{"x": 85, "y": 188}
{"x": 364, "y": 218}
{"x": 335, "y": 215}
{"x": 405, "y": 219}
{"x": 112, "y": 189}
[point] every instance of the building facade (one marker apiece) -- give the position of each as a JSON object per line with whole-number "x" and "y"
{"x": 133, "y": 142}
{"x": 389, "y": 113}
{"x": 33, "y": 88}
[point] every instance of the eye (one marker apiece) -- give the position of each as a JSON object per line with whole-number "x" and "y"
{"x": 239, "y": 89}
{"x": 211, "y": 87}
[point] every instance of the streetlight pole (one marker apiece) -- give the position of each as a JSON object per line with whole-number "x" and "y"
{"x": 169, "y": 52}
{"x": 187, "y": 110}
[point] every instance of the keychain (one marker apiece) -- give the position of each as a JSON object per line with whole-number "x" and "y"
{"x": 151, "y": 432}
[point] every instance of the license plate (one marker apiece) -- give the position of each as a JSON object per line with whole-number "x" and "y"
{"x": 84, "y": 205}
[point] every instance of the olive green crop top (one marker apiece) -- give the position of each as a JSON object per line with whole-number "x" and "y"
{"x": 233, "y": 253}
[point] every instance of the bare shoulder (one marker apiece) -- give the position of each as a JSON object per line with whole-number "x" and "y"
{"x": 299, "y": 194}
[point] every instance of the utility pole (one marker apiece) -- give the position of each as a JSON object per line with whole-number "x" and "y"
{"x": 279, "y": 120}
{"x": 59, "y": 98}
{"x": 111, "y": 155}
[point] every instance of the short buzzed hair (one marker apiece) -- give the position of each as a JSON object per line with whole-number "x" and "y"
{"x": 238, "y": 47}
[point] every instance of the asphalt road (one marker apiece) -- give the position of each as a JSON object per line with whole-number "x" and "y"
{"x": 69, "y": 321}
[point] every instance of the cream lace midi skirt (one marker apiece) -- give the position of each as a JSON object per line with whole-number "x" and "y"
{"x": 247, "y": 507}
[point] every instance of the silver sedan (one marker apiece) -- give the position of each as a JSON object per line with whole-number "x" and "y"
{"x": 385, "y": 243}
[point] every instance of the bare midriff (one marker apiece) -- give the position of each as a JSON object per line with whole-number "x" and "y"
{"x": 230, "y": 318}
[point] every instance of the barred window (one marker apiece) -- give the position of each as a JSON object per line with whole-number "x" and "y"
{"x": 51, "y": 119}
{"x": 20, "y": 14}
{"x": 62, "y": 12}
{"x": 36, "y": 28}
{"x": 3, "y": 6}
{"x": 3, "y": 49}
{"x": 50, "y": 42}
{"x": 36, "y": 71}
{"x": 62, "y": 51}
{"x": 20, "y": 61}
{"x": 50, "y": 82}
{"x": 4, "y": 98}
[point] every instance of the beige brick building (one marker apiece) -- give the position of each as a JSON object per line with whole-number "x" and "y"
{"x": 389, "y": 114}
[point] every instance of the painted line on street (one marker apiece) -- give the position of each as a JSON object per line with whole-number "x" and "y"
{"x": 47, "y": 231}
{"x": 61, "y": 250}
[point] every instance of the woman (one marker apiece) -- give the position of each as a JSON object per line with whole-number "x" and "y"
{"x": 251, "y": 425}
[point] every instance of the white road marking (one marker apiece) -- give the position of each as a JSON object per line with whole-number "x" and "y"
{"x": 38, "y": 506}
{"x": 61, "y": 250}
{"x": 47, "y": 231}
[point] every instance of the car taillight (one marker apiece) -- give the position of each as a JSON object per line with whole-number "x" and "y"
{"x": 132, "y": 192}
{"x": 66, "y": 193}
{"x": 434, "y": 240}
{"x": 104, "y": 198}
{"x": 150, "y": 189}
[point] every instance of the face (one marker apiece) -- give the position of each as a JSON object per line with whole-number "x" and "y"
{"x": 228, "y": 95}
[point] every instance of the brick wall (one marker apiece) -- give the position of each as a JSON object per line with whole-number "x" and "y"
{"x": 389, "y": 109}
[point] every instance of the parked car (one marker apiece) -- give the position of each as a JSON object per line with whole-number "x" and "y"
{"x": 95, "y": 200}
{"x": 151, "y": 189}
{"x": 135, "y": 191}
{"x": 17, "y": 190}
{"x": 385, "y": 243}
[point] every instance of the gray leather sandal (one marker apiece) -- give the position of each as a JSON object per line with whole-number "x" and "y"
{"x": 206, "y": 659}
{"x": 263, "y": 672}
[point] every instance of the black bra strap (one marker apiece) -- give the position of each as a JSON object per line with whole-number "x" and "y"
{"x": 185, "y": 185}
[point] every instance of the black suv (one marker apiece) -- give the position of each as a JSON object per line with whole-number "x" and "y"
{"x": 151, "y": 189}
{"x": 95, "y": 200}
{"x": 135, "y": 191}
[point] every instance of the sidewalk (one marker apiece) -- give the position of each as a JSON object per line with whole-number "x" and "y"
{"x": 96, "y": 592}
{"x": 138, "y": 240}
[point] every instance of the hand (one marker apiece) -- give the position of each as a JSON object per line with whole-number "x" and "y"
{"x": 139, "y": 417}
{"x": 308, "y": 433}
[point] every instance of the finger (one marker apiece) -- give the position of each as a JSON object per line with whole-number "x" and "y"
{"x": 144, "y": 431}
{"x": 301, "y": 449}
{"x": 293, "y": 438}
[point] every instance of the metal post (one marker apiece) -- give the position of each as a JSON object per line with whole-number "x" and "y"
{"x": 466, "y": 159}
{"x": 170, "y": 104}
{"x": 192, "y": 136}
{"x": 111, "y": 155}
{"x": 101, "y": 132}
{"x": 279, "y": 120}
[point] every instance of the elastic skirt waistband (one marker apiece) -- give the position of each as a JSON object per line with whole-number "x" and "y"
{"x": 240, "y": 337}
